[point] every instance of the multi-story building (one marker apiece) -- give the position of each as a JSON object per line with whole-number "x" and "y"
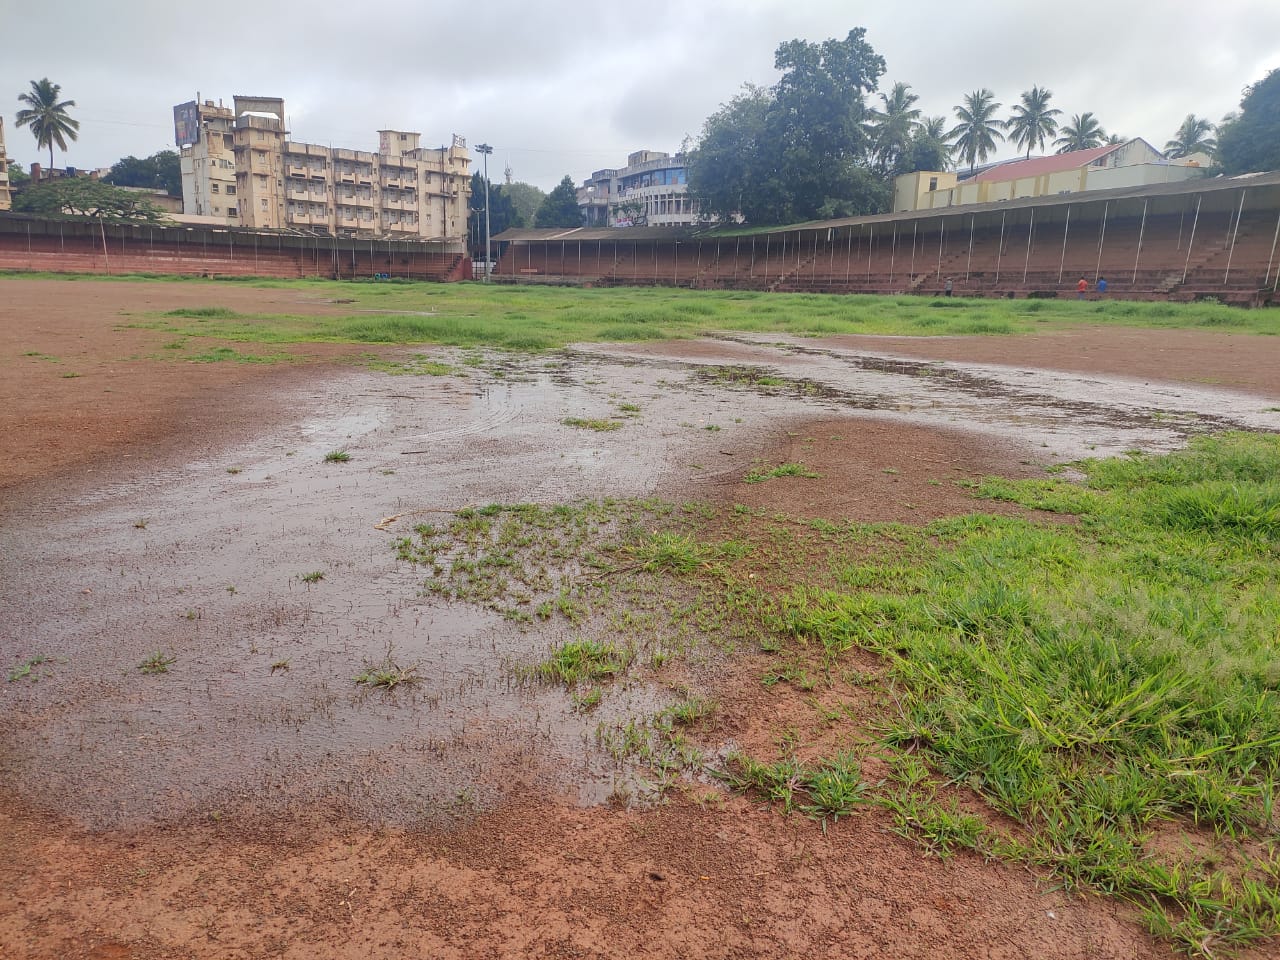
{"x": 402, "y": 190}
{"x": 651, "y": 190}
{"x": 6, "y": 199}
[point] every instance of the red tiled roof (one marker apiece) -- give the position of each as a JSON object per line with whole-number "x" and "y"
{"x": 1039, "y": 166}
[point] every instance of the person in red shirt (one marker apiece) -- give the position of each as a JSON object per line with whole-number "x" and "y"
{"x": 1081, "y": 288}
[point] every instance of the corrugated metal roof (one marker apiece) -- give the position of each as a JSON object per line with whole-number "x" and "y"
{"x": 1039, "y": 166}
{"x": 595, "y": 233}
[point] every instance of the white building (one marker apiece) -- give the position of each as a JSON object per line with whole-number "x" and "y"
{"x": 650, "y": 191}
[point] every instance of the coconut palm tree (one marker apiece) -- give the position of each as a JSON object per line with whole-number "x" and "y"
{"x": 47, "y": 117}
{"x": 1033, "y": 120}
{"x": 1082, "y": 133}
{"x": 976, "y": 134}
{"x": 892, "y": 127}
{"x": 1192, "y": 137}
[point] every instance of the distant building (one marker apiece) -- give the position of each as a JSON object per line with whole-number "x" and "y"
{"x": 244, "y": 153}
{"x": 6, "y": 197}
{"x": 651, "y": 190}
{"x": 1134, "y": 163}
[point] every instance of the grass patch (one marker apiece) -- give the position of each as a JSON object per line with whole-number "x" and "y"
{"x": 158, "y": 662}
{"x": 386, "y": 674}
{"x": 782, "y": 470}
{"x": 337, "y": 456}
{"x": 600, "y": 426}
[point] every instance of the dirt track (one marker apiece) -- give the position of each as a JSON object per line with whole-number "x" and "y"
{"x": 229, "y": 810}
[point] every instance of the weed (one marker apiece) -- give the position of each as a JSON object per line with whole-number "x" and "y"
{"x": 782, "y": 470}
{"x": 158, "y": 662}
{"x": 387, "y": 674}
{"x": 337, "y": 456}
{"x": 600, "y": 426}
{"x": 315, "y": 576}
{"x": 280, "y": 665}
{"x": 577, "y": 660}
{"x": 24, "y": 670}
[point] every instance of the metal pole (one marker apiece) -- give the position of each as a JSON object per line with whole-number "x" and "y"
{"x": 1102, "y": 238}
{"x": 766, "y": 257}
{"x": 1031, "y": 230}
{"x": 1181, "y": 221}
{"x": 1234, "y": 236}
{"x": 1272, "y": 258}
{"x": 1000, "y": 245}
{"x": 969, "y": 263}
{"x": 831, "y": 260}
{"x": 893, "y": 254}
{"x": 848, "y": 261}
{"x": 1062, "y": 262}
{"x": 1142, "y": 229}
{"x": 942, "y": 232}
{"x": 485, "y": 149}
{"x": 915, "y": 224}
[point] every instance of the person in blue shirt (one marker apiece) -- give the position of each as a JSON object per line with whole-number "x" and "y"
{"x": 1102, "y": 284}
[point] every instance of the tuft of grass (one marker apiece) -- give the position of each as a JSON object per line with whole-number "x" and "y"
{"x": 158, "y": 662}
{"x": 600, "y": 426}
{"x": 782, "y": 470}
{"x": 337, "y": 456}
{"x": 577, "y": 661}
{"x": 315, "y": 576}
{"x": 387, "y": 674}
{"x": 24, "y": 670}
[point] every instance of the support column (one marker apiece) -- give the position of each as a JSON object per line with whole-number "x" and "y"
{"x": 969, "y": 263}
{"x": 1031, "y": 229}
{"x": 1142, "y": 229}
{"x": 1102, "y": 238}
{"x": 1272, "y": 258}
{"x": 1234, "y": 237}
{"x": 1062, "y": 261}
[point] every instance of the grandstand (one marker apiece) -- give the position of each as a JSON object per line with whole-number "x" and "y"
{"x": 1181, "y": 241}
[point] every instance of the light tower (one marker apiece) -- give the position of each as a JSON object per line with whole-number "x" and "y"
{"x": 485, "y": 149}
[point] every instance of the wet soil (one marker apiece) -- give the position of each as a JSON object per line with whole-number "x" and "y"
{"x": 253, "y": 801}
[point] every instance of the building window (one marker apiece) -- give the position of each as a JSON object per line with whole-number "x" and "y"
{"x": 933, "y": 184}
{"x": 213, "y": 188}
{"x": 264, "y": 203}
{"x": 231, "y": 191}
{"x": 233, "y": 212}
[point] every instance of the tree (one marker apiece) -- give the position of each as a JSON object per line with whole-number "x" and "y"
{"x": 1192, "y": 137}
{"x": 84, "y": 197}
{"x": 798, "y": 150}
{"x": 1033, "y": 120}
{"x": 502, "y": 212}
{"x": 893, "y": 128}
{"x": 1082, "y": 133}
{"x": 1251, "y": 141}
{"x": 47, "y": 116}
{"x": 976, "y": 134}
{"x": 929, "y": 149}
{"x": 160, "y": 171}
{"x": 560, "y": 209}
{"x": 17, "y": 176}
{"x": 526, "y": 198}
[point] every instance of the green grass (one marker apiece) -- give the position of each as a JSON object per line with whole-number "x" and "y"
{"x": 532, "y": 319}
{"x": 337, "y": 456}
{"x": 598, "y": 425}
{"x": 782, "y": 470}
{"x": 158, "y": 662}
{"x": 315, "y": 576}
{"x": 386, "y": 674}
{"x": 26, "y": 669}
{"x": 1094, "y": 694}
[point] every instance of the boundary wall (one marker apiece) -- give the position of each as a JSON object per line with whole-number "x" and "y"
{"x": 82, "y": 246}
{"x": 1209, "y": 239}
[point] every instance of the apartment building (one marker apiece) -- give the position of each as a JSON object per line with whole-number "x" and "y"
{"x": 402, "y": 190}
{"x": 651, "y": 190}
{"x": 6, "y": 198}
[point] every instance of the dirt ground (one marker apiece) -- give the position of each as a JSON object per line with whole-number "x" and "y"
{"x": 535, "y": 867}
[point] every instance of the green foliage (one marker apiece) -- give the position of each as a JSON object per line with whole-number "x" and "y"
{"x": 160, "y": 171}
{"x": 158, "y": 662}
{"x": 1193, "y": 136}
{"x": 1082, "y": 133}
{"x": 83, "y": 197}
{"x": 560, "y": 209}
{"x": 525, "y": 199}
{"x": 976, "y": 134}
{"x": 782, "y": 470}
{"x": 502, "y": 212}
{"x": 1251, "y": 141}
{"x": 583, "y": 660}
{"x": 798, "y": 150}
{"x": 46, "y": 116}
{"x": 1033, "y": 120}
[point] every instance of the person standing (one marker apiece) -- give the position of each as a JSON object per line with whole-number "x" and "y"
{"x": 1082, "y": 288}
{"x": 948, "y": 287}
{"x": 1102, "y": 285}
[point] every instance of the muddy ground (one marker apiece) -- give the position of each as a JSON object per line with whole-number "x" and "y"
{"x": 235, "y": 808}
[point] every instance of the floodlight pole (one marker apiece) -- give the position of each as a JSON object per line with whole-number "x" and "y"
{"x": 485, "y": 149}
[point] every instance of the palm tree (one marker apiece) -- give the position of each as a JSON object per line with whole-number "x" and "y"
{"x": 892, "y": 127}
{"x": 47, "y": 118}
{"x": 1032, "y": 121}
{"x": 1192, "y": 137}
{"x": 976, "y": 134}
{"x": 1082, "y": 133}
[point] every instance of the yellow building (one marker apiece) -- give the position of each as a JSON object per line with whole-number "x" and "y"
{"x": 6, "y": 198}
{"x": 1134, "y": 163}
{"x": 401, "y": 191}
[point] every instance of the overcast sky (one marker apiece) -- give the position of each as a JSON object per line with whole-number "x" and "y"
{"x": 559, "y": 86}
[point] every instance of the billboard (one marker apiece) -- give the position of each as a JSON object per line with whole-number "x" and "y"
{"x": 186, "y": 123}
